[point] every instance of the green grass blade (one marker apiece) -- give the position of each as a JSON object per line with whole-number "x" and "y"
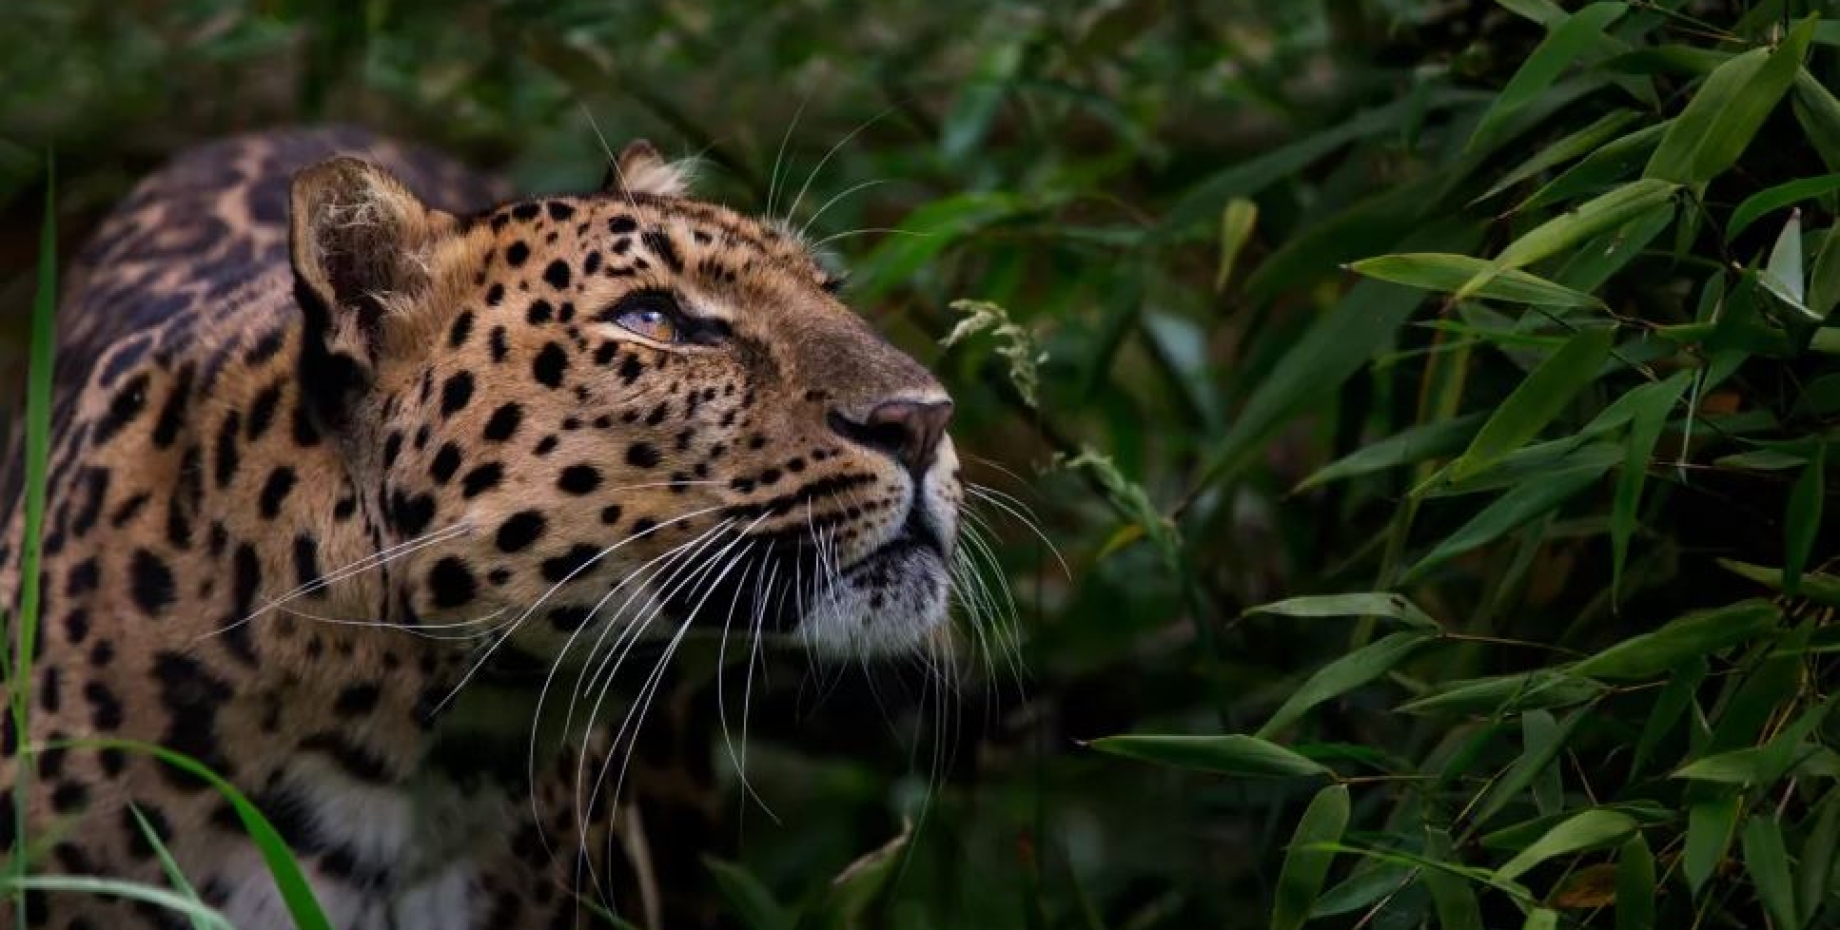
{"x": 132, "y": 891}
{"x": 173, "y": 873}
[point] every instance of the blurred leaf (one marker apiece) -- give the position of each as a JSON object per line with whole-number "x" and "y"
{"x": 1803, "y": 521}
{"x": 1710, "y": 827}
{"x": 1768, "y": 864}
{"x": 1588, "y": 830}
{"x": 1538, "y": 728}
{"x": 1448, "y": 273}
{"x": 1651, "y": 404}
{"x": 849, "y": 894}
{"x": 1453, "y": 897}
{"x": 928, "y": 231}
{"x": 1769, "y": 200}
{"x": 749, "y": 901}
{"x": 1815, "y": 871}
{"x": 1300, "y": 880}
{"x": 1332, "y": 349}
{"x": 1723, "y": 116}
{"x": 1675, "y": 698}
{"x": 1205, "y": 200}
{"x": 1565, "y": 43}
{"x": 1375, "y": 604}
{"x": 1819, "y": 587}
{"x": 1635, "y": 885}
{"x": 970, "y": 116}
{"x": 1236, "y": 223}
{"x": 1429, "y": 440}
{"x": 1581, "y": 143}
{"x": 1232, "y": 754}
{"x": 1536, "y": 402}
{"x": 1694, "y": 634}
{"x": 1824, "y": 281}
{"x": 1344, "y": 675}
{"x": 1505, "y": 694}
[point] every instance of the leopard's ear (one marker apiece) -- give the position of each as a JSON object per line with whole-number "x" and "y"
{"x": 360, "y": 244}
{"x": 641, "y": 170}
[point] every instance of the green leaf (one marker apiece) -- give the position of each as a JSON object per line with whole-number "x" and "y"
{"x": 1675, "y": 697}
{"x": 843, "y": 902}
{"x": 1815, "y": 871}
{"x": 1538, "y": 728}
{"x": 1236, "y": 224}
{"x": 1370, "y": 604}
{"x": 1539, "y": 748}
{"x": 1425, "y": 441}
{"x": 1434, "y": 271}
{"x": 1541, "y": 918}
{"x": 1771, "y": 199}
{"x": 749, "y": 901}
{"x": 1583, "y": 142}
{"x": 1694, "y": 634}
{"x": 928, "y": 231}
{"x": 1233, "y": 754}
{"x": 296, "y": 892}
{"x": 1566, "y": 42}
{"x": 1722, "y": 118}
{"x": 173, "y": 874}
{"x": 1537, "y": 401}
{"x": 1334, "y": 347}
{"x": 1588, "y": 830}
{"x": 1824, "y": 280}
{"x": 1803, "y": 521}
{"x": 1710, "y": 826}
{"x": 1454, "y": 898}
{"x": 1523, "y": 502}
{"x": 1344, "y": 675}
{"x": 1506, "y": 694}
{"x": 1782, "y": 275}
{"x": 1819, "y": 115}
{"x": 198, "y": 914}
{"x": 1610, "y": 163}
{"x": 1598, "y": 215}
{"x": 1305, "y": 866}
{"x": 1635, "y": 885}
{"x": 1648, "y": 415}
{"x": 1819, "y": 587}
{"x": 1763, "y": 765}
{"x": 1767, "y": 861}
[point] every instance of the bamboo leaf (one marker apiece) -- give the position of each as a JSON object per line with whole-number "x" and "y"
{"x": 749, "y": 901}
{"x": 1371, "y": 604}
{"x": 1635, "y": 885}
{"x": 1767, "y": 861}
{"x": 1651, "y": 403}
{"x": 1598, "y": 215}
{"x": 1425, "y": 441}
{"x": 1819, "y": 115}
{"x": 1447, "y": 273}
{"x": 1815, "y": 871}
{"x": 1454, "y": 898}
{"x": 1523, "y": 502}
{"x": 1536, "y": 402}
{"x": 1710, "y": 827}
{"x": 1771, "y": 199}
{"x": 1344, "y": 675}
{"x": 1236, "y": 224}
{"x": 1803, "y": 521}
{"x": 1505, "y": 694}
{"x": 1694, "y": 634}
{"x": 1583, "y": 142}
{"x": 1725, "y": 114}
{"x": 1588, "y": 830}
{"x": 1566, "y": 42}
{"x": 1300, "y": 880}
{"x": 1611, "y": 163}
{"x": 1232, "y": 754}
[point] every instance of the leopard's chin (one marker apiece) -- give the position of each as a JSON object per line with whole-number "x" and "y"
{"x": 892, "y": 601}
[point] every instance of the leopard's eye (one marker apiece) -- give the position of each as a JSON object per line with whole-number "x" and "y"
{"x": 653, "y": 324}
{"x": 649, "y": 312}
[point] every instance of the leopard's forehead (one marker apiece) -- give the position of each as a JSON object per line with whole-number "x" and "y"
{"x": 617, "y": 234}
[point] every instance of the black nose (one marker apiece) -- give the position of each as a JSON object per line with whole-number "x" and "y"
{"x": 905, "y": 429}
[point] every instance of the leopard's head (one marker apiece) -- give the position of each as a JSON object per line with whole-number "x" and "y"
{"x": 621, "y": 415}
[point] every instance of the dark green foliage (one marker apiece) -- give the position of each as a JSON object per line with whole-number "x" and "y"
{"x": 1513, "y": 314}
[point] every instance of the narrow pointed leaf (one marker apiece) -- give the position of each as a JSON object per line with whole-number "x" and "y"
{"x": 1232, "y": 754}
{"x": 1300, "y": 880}
{"x": 1769, "y": 200}
{"x": 1728, "y": 109}
{"x": 1583, "y": 142}
{"x": 1648, "y": 416}
{"x": 1434, "y": 271}
{"x": 1767, "y": 861}
{"x": 1814, "y": 875}
{"x": 1371, "y": 604}
{"x": 1564, "y": 44}
{"x": 1236, "y": 223}
{"x": 1598, "y": 215}
{"x": 1344, "y": 675}
{"x": 1537, "y": 401}
{"x": 1635, "y": 885}
{"x": 1694, "y": 634}
{"x": 1803, "y": 521}
{"x": 1588, "y": 830}
{"x": 1616, "y": 160}
{"x": 1425, "y": 441}
{"x": 1711, "y": 825}
{"x": 1522, "y": 503}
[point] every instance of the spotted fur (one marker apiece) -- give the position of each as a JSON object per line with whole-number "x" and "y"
{"x": 276, "y": 365}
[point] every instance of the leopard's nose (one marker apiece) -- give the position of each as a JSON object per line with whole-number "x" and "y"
{"x": 907, "y": 430}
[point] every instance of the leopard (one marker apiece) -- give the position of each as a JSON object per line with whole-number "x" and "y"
{"x": 356, "y": 455}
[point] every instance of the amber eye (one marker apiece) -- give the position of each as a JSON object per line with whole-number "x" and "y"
{"x": 656, "y": 325}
